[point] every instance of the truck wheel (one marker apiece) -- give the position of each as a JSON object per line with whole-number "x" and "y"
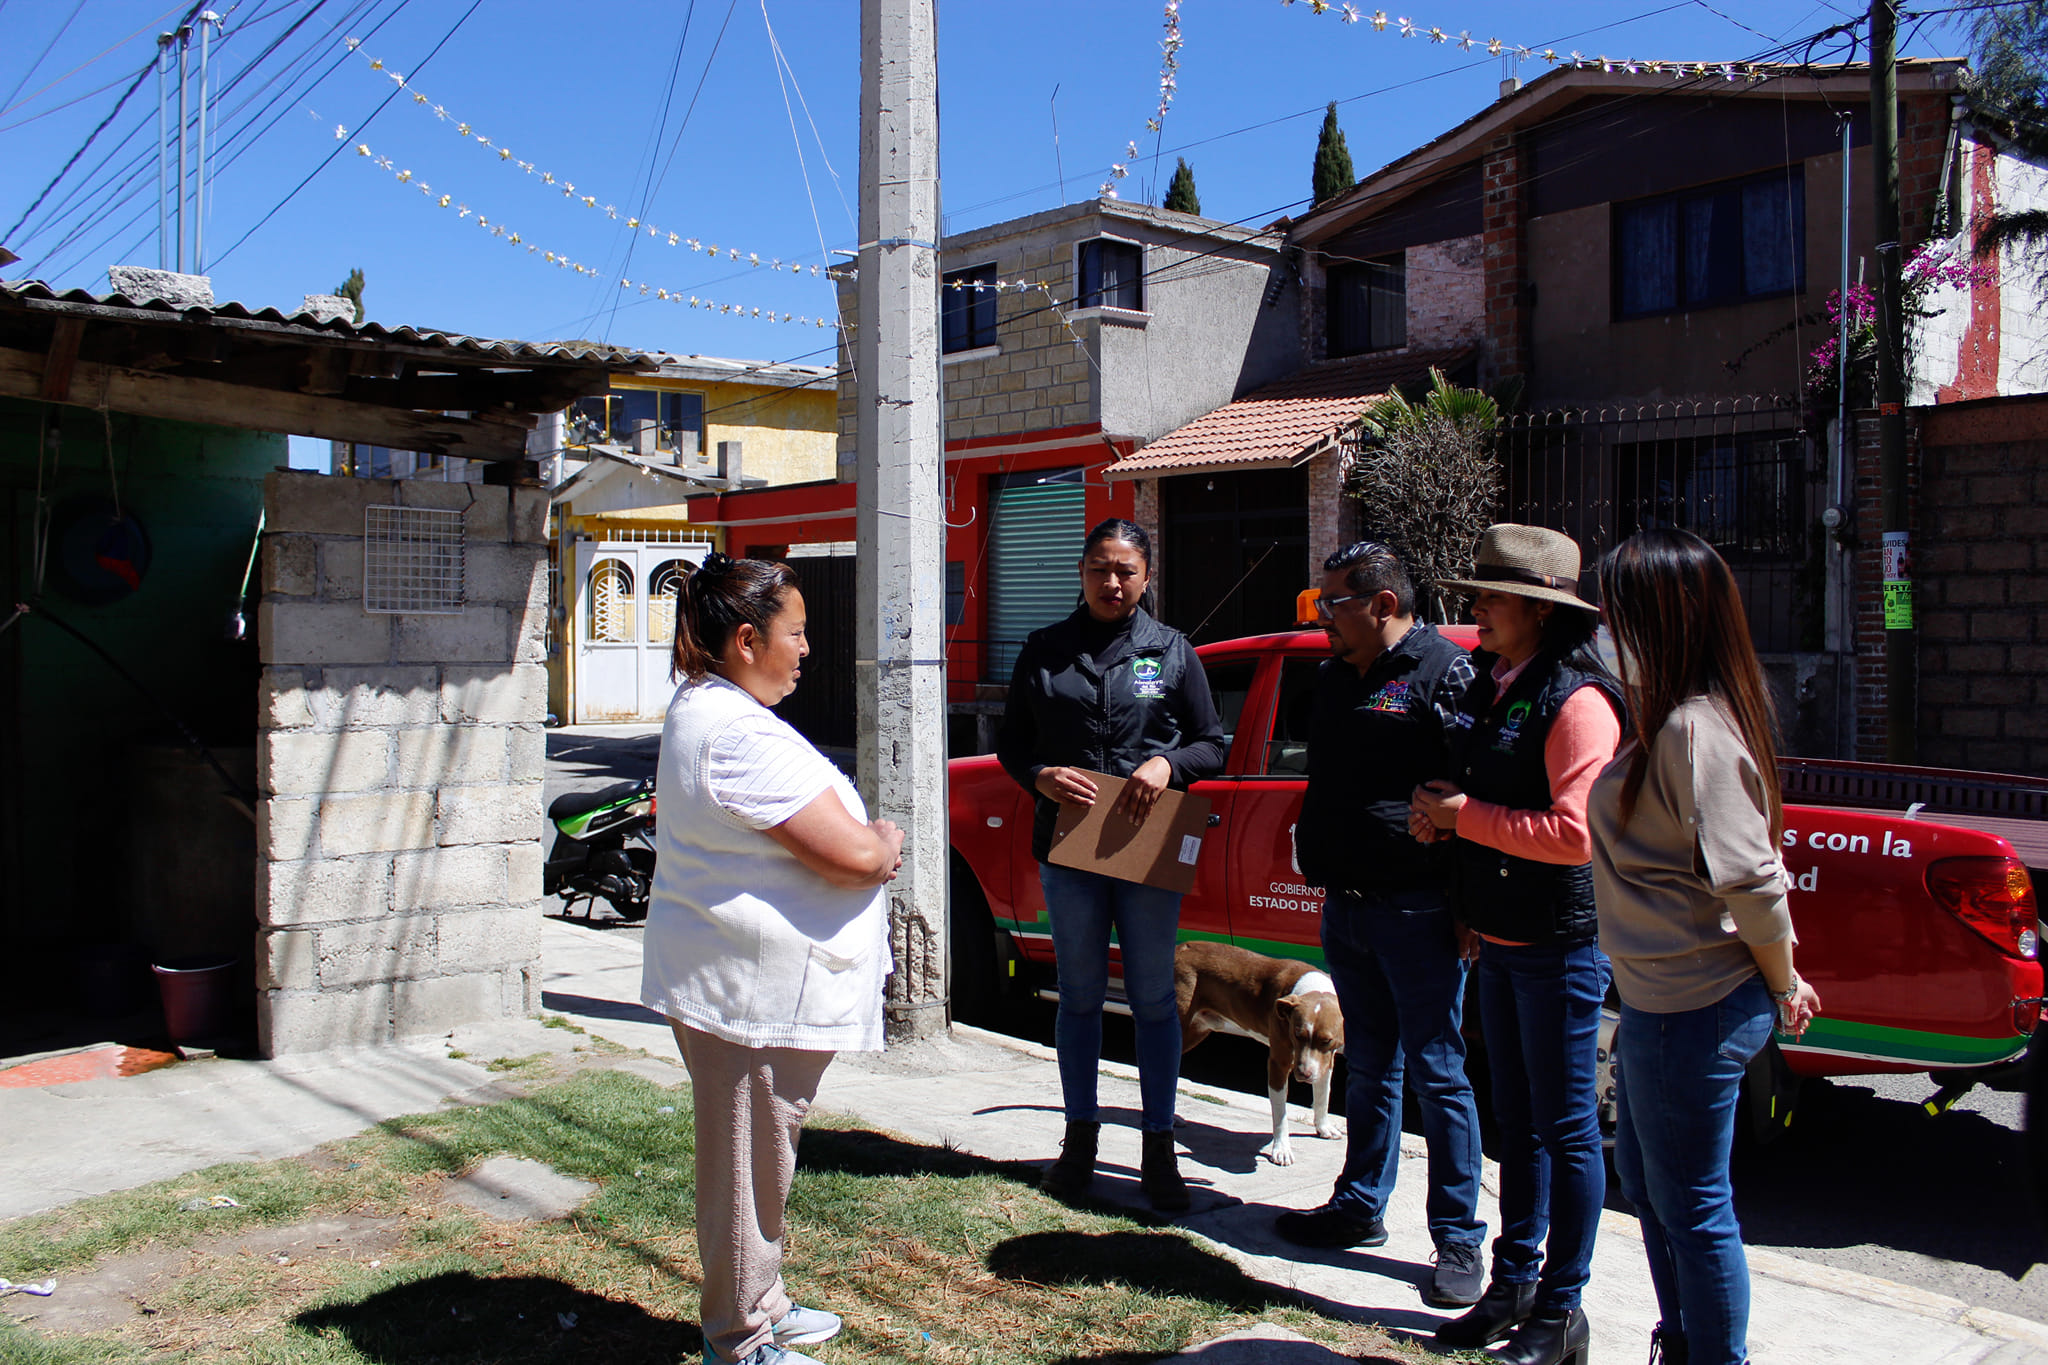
{"x": 1770, "y": 1094}
{"x": 979, "y": 955}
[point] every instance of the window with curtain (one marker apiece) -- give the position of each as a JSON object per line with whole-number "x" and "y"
{"x": 1367, "y": 306}
{"x": 967, "y": 309}
{"x": 1111, "y": 274}
{"x": 1718, "y": 244}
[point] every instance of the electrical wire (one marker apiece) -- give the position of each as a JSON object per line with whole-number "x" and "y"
{"x": 675, "y": 71}
{"x": 62, "y": 29}
{"x": 36, "y": 94}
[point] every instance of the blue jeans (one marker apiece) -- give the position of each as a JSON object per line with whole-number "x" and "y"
{"x": 1084, "y": 907}
{"x": 1540, "y": 1006}
{"x": 1680, "y": 1075}
{"x": 1401, "y": 985}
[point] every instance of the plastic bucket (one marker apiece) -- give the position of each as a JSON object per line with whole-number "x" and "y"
{"x": 199, "y": 997}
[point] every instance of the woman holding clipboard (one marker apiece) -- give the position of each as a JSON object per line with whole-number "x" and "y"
{"x": 1111, "y": 690}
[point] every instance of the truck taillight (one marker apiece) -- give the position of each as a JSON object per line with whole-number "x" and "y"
{"x": 1993, "y": 896}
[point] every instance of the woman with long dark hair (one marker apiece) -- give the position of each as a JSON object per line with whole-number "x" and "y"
{"x": 1111, "y": 690}
{"x": 767, "y": 941}
{"x": 1538, "y": 723}
{"x": 1692, "y": 893}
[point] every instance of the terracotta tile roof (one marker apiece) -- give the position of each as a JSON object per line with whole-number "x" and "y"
{"x": 1283, "y": 423}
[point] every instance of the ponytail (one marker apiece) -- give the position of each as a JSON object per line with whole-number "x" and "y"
{"x": 722, "y": 595}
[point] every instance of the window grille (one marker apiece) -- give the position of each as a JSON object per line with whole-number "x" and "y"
{"x": 412, "y": 560}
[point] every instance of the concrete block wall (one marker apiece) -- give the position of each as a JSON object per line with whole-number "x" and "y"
{"x": 399, "y": 764}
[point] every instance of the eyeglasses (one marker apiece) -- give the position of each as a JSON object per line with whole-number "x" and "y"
{"x": 1326, "y": 607}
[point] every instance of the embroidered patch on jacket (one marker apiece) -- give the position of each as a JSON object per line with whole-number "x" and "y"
{"x": 1393, "y": 697}
{"x": 1511, "y": 728}
{"x": 1146, "y": 683}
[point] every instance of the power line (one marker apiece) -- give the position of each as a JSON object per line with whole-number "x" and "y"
{"x": 62, "y": 29}
{"x": 675, "y": 71}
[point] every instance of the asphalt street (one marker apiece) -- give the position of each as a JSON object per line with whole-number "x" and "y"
{"x": 1864, "y": 1180}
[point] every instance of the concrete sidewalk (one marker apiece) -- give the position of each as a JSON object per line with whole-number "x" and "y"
{"x": 978, "y": 1092}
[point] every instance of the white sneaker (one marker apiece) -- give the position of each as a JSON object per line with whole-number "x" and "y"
{"x": 802, "y": 1326}
{"x": 770, "y": 1354}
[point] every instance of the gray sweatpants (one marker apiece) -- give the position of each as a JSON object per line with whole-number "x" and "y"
{"x": 750, "y": 1103}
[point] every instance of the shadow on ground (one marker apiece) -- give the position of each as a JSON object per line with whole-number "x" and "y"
{"x": 458, "y": 1316}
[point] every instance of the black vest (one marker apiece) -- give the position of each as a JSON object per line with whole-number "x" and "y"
{"x": 1497, "y": 756}
{"x": 1373, "y": 740}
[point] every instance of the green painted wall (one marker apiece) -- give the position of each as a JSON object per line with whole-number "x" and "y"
{"x": 72, "y": 784}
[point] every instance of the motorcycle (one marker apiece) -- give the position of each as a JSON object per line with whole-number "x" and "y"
{"x": 604, "y": 849}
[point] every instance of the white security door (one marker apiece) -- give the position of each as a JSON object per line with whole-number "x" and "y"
{"x": 625, "y": 627}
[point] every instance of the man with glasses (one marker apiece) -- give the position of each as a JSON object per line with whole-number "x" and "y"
{"x": 1384, "y": 703}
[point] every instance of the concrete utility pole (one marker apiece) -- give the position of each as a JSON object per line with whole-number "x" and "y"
{"x": 1901, "y": 655}
{"x": 899, "y": 647}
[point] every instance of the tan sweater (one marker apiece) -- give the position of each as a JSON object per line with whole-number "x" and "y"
{"x": 1694, "y": 878}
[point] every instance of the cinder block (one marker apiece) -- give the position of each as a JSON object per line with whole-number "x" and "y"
{"x": 489, "y": 517}
{"x": 528, "y": 754}
{"x": 529, "y": 515}
{"x": 281, "y": 702}
{"x": 288, "y": 566}
{"x": 293, "y": 632}
{"x": 437, "y": 493}
{"x": 285, "y": 828}
{"x": 514, "y": 694}
{"x": 320, "y": 761}
{"x": 324, "y": 504}
{"x": 393, "y": 948}
{"x": 362, "y": 698}
{"x": 438, "y": 1004}
{"x": 319, "y": 890}
{"x": 501, "y": 936}
{"x": 472, "y": 874}
{"x": 501, "y": 814}
{"x": 289, "y": 1022}
{"x": 377, "y": 822}
{"x": 516, "y": 574}
{"x": 441, "y": 755}
{"x": 523, "y": 872}
{"x": 530, "y": 633}
{"x": 284, "y": 960}
{"x": 477, "y": 635}
{"x": 341, "y": 571}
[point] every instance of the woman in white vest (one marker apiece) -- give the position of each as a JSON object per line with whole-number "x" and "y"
{"x": 767, "y": 941}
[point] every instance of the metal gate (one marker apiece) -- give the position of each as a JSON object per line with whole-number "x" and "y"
{"x": 624, "y": 625}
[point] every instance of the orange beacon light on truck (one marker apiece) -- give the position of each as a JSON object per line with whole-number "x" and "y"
{"x": 1305, "y": 607}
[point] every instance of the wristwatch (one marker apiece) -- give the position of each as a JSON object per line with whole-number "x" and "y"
{"x": 1789, "y": 994}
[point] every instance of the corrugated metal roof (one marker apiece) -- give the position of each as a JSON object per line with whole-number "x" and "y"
{"x": 1285, "y": 422}
{"x": 34, "y": 295}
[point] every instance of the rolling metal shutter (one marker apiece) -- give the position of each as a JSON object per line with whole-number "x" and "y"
{"x": 1036, "y": 524}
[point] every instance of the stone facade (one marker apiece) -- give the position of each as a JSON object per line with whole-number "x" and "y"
{"x": 399, "y": 765}
{"x": 1506, "y": 296}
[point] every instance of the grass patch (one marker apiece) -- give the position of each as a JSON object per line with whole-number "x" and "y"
{"x": 529, "y": 1065}
{"x": 930, "y": 1254}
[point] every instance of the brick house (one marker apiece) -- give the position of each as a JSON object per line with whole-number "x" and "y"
{"x": 1650, "y": 257}
{"x": 1069, "y": 338}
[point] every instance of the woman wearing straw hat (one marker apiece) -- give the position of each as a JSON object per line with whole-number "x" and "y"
{"x": 1540, "y": 721}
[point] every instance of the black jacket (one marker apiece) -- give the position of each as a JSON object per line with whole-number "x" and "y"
{"x": 1497, "y": 756}
{"x": 1374, "y": 739}
{"x": 1145, "y": 697}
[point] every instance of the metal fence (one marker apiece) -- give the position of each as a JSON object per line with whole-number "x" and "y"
{"x": 1740, "y": 473}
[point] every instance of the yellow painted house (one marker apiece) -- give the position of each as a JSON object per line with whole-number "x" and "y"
{"x": 622, "y": 466}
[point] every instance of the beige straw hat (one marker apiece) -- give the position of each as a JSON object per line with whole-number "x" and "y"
{"x": 1529, "y": 561}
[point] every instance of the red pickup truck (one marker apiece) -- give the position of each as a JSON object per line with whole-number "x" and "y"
{"x": 1917, "y": 928}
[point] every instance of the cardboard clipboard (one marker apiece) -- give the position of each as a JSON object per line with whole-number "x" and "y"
{"x": 1161, "y": 852}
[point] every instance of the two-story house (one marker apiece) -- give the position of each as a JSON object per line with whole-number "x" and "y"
{"x": 1069, "y": 338}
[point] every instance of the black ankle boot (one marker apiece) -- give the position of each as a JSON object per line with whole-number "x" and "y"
{"x": 1159, "y": 1173}
{"x": 1501, "y": 1309}
{"x": 1549, "y": 1337}
{"x": 1667, "y": 1346}
{"x": 1074, "y": 1172}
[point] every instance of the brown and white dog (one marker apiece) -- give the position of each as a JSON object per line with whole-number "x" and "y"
{"x": 1289, "y": 1006}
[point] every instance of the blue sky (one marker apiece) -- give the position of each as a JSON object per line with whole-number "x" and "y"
{"x": 581, "y": 90}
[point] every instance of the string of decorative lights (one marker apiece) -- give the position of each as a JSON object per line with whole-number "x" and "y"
{"x": 505, "y": 156}
{"x": 1464, "y": 41}
{"x": 1169, "y": 78}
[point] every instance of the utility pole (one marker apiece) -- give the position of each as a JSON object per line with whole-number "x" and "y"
{"x": 1901, "y": 656}
{"x": 899, "y": 646}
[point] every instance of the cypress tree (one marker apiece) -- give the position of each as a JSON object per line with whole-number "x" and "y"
{"x": 1180, "y": 193}
{"x": 352, "y": 290}
{"x": 1333, "y": 173}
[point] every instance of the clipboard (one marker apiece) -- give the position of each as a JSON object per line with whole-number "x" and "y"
{"x": 1161, "y": 852}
